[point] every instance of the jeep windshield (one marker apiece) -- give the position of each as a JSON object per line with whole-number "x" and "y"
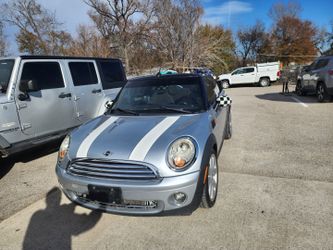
{"x": 160, "y": 95}
{"x": 6, "y": 68}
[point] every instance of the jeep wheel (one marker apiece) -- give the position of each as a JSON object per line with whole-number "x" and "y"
{"x": 211, "y": 183}
{"x": 264, "y": 82}
{"x": 225, "y": 84}
{"x": 322, "y": 94}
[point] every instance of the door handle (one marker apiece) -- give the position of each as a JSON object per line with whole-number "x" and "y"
{"x": 64, "y": 95}
{"x": 95, "y": 91}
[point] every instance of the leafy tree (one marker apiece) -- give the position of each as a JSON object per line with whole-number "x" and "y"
{"x": 39, "y": 31}
{"x": 294, "y": 40}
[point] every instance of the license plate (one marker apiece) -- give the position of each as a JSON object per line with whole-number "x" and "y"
{"x": 104, "y": 194}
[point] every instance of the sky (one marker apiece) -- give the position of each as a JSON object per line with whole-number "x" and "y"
{"x": 230, "y": 14}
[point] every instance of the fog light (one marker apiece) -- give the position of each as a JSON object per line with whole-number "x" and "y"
{"x": 179, "y": 197}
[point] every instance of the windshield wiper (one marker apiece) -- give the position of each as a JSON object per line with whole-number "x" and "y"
{"x": 126, "y": 111}
{"x": 180, "y": 110}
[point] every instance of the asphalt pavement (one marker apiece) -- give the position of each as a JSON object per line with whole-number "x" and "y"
{"x": 275, "y": 190}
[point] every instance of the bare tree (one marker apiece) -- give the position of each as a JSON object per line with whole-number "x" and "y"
{"x": 176, "y": 24}
{"x": 39, "y": 31}
{"x": 214, "y": 48}
{"x": 89, "y": 43}
{"x": 279, "y": 10}
{"x": 251, "y": 41}
{"x": 121, "y": 22}
{"x": 3, "y": 43}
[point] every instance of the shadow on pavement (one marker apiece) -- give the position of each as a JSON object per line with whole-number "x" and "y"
{"x": 54, "y": 226}
{"x": 278, "y": 97}
{"x": 8, "y": 163}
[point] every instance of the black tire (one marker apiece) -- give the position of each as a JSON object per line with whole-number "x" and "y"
{"x": 299, "y": 89}
{"x": 208, "y": 199}
{"x": 228, "y": 129}
{"x": 264, "y": 82}
{"x": 321, "y": 92}
{"x": 225, "y": 84}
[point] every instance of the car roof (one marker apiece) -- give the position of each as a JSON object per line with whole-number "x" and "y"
{"x": 166, "y": 77}
{"x": 64, "y": 57}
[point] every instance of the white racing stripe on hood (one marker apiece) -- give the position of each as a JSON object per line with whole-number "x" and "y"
{"x": 86, "y": 143}
{"x": 141, "y": 149}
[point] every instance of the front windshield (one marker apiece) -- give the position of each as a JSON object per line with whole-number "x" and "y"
{"x": 6, "y": 67}
{"x": 178, "y": 95}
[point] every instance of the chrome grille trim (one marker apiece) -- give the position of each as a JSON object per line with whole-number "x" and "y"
{"x": 117, "y": 170}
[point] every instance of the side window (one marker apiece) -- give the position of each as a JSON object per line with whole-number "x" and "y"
{"x": 112, "y": 74}
{"x": 321, "y": 64}
{"x": 248, "y": 70}
{"x": 47, "y": 75}
{"x": 211, "y": 90}
{"x": 83, "y": 73}
{"x": 236, "y": 72}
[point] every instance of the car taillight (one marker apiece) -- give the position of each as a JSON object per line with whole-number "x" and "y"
{"x": 330, "y": 72}
{"x": 278, "y": 73}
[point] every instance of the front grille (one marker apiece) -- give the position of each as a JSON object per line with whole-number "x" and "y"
{"x": 95, "y": 168}
{"x": 126, "y": 204}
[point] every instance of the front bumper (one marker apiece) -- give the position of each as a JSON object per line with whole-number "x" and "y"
{"x": 139, "y": 198}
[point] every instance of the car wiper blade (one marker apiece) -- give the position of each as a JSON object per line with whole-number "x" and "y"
{"x": 180, "y": 110}
{"x": 126, "y": 111}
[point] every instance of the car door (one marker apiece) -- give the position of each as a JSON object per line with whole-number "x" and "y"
{"x": 307, "y": 75}
{"x": 217, "y": 114}
{"x": 237, "y": 76}
{"x": 249, "y": 75}
{"x": 315, "y": 73}
{"x": 87, "y": 88}
{"x": 50, "y": 109}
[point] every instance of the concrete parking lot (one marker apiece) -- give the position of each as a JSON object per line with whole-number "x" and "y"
{"x": 275, "y": 190}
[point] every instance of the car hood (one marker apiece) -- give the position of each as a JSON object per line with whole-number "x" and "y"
{"x": 224, "y": 76}
{"x": 137, "y": 138}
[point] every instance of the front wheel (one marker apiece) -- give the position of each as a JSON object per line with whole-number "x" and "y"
{"x": 211, "y": 182}
{"x": 264, "y": 82}
{"x": 299, "y": 89}
{"x": 225, "y": 84}
{"x": 322, "y": 94}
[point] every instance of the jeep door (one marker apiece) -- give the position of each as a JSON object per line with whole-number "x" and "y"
{"x": 87, "y": 88}
{"x": 49, "y": 108}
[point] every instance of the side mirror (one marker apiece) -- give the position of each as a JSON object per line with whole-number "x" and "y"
{"x": 224, "y": 101}
{"x": 109, "y": 104}
{"x": 29, "y": 86}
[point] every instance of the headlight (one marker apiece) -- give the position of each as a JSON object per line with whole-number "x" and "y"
{"x": 64, "y": 148}
{"x": 181, "y": 153}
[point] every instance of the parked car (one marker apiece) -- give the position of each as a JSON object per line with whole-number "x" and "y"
{"x": 43, "y": 97}
{"x": 155, "y": 150}
{"x": 317, "y": 78}
{"x": 167, "y": 72}
{"x": 262, "y": 74}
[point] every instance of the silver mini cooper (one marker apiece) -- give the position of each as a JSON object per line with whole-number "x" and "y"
{"x": 154, "y": 151}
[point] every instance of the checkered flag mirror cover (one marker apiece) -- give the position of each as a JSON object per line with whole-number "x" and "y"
{"x": 224, "y": 100}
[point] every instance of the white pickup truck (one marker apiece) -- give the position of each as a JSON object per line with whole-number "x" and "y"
{"x": 262, "y": 74}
